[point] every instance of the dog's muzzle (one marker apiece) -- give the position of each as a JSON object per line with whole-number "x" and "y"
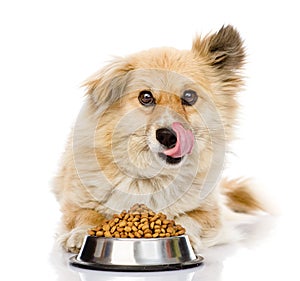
{"x": 177, "y": 142}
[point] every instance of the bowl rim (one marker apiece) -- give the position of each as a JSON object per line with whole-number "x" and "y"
{"x": 137, "y": 239}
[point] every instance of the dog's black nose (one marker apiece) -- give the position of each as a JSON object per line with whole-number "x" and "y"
{"x": 166, "y": 137}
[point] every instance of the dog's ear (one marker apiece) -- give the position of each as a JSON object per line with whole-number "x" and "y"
{"x": 224, "y": 50}
{"x": 106, "y": 86}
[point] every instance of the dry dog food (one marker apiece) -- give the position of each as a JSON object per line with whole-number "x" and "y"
{"x": 138, "y": 222}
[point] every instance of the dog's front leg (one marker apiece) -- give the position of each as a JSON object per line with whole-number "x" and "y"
{"x": 193, "y": 230}
{"x": 203, "y": 226}
{"x": 76, "y": 223}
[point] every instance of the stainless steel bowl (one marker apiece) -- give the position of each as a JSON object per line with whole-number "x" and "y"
{"x": 136, "y": 254}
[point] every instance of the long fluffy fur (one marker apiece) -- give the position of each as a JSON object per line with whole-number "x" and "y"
{"x": 111, "y": 160}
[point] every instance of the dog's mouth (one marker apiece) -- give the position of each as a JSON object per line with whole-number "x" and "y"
{"x": 177, "y": 142}
{"x": 169, "y": 159}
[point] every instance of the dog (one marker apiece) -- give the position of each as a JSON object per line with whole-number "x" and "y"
{"x": 154, "y": 129}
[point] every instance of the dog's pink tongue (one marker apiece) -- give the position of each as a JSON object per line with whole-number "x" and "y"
{"x": 184, "y": 144}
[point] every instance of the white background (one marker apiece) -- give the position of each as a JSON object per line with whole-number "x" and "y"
{"x": 47, "y": 48}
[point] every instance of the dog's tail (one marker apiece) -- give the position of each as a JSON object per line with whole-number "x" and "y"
{"x": 242, "y": 196}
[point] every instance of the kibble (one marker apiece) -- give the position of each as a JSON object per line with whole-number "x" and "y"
{"x": 138, "y": 222}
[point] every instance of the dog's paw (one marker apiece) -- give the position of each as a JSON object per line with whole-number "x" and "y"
{"x": 193, "y": 230}
{"x": 73, "y": 240}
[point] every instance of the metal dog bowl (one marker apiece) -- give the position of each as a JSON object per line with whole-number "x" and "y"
{"x": 136, "y": 254}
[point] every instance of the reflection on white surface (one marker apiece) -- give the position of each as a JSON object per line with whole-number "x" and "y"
{"x": 183, "y": 275}
{"x": 212, "y": 269}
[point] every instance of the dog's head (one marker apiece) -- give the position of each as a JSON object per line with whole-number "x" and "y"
{"x": 165, "y": 109}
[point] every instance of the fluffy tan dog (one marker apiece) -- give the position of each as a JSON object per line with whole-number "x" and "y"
{"x": 154, "y": 129}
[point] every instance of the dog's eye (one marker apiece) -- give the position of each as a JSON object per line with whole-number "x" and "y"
{"x": 189, "y": 97}
{"x": 146, "y": 98}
